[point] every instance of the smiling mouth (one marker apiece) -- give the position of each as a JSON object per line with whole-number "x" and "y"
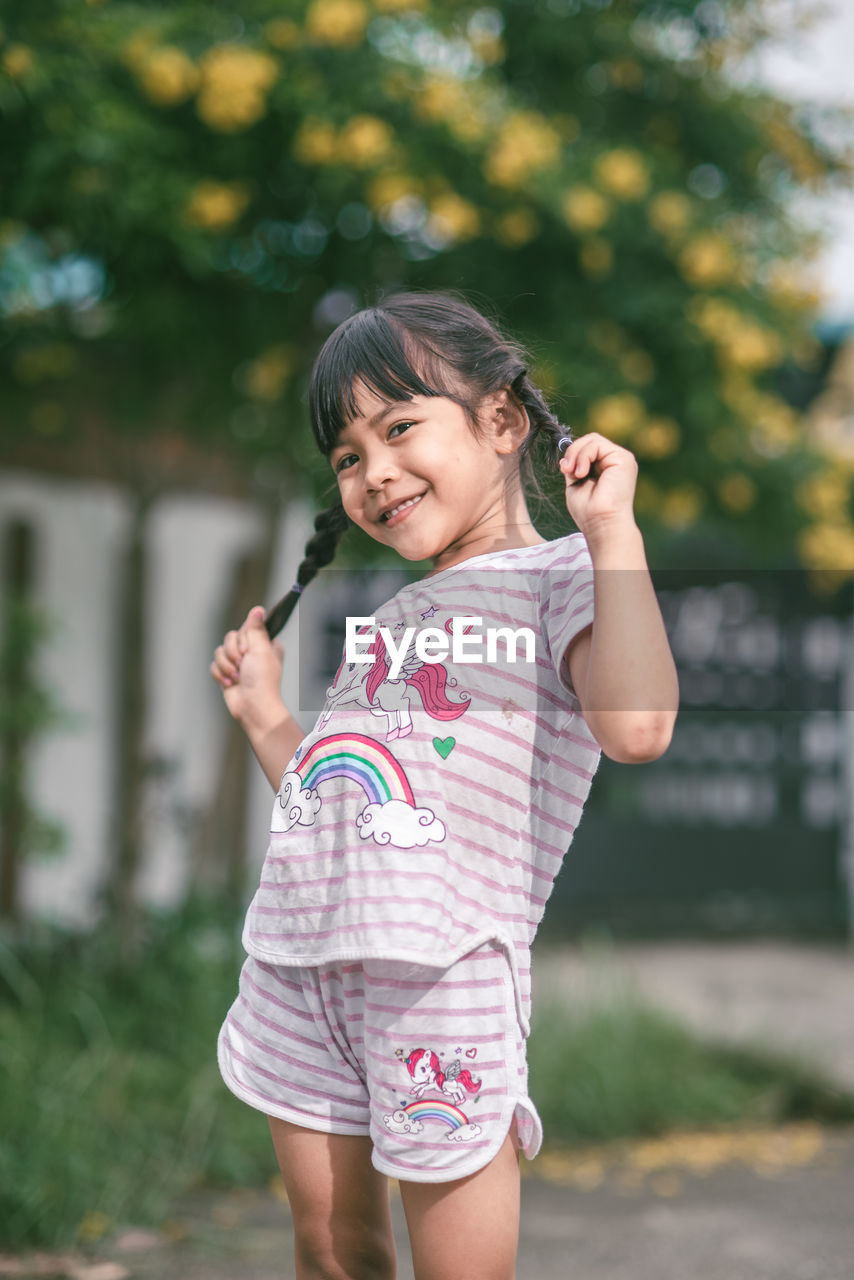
{"x": 401, "y": 507}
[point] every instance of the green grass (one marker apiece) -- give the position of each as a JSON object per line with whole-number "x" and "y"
{"x": 625, "y": 1069}
{"x": 111, "y": 1102}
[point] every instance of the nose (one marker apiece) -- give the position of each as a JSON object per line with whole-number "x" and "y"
{"x": 380, "y": 468}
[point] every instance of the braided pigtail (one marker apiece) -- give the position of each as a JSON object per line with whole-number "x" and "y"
{"x": 545, "y": 426}
{"x": 320, "y": 549}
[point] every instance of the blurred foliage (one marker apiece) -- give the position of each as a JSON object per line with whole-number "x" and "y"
{"x": 196, "y": 193}
{"x": 111, "y": 1103}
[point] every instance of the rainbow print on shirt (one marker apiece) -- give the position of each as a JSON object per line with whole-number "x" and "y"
{"x": 390, "y": 817}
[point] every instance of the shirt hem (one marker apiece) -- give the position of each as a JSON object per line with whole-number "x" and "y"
{"x": 341, "y": 955}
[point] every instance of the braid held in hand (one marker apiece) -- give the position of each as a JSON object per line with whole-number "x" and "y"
{"x": 320, "y": 549}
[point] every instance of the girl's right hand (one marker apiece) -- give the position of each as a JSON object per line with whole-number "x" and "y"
{"x": 248, "y": 667}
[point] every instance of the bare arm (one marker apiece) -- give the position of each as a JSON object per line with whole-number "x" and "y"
{"x": 248, "y": 667}
{"x": 621, "y": 667}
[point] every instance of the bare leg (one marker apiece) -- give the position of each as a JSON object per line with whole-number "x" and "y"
{"x": 339, "y": 1204}
{"x": 468, "y": 1229}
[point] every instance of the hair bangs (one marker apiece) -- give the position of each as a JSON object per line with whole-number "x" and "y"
{"x": 375, "y": 350}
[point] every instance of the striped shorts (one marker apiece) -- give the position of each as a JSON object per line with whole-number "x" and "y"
{"x": 430, "y": 1063}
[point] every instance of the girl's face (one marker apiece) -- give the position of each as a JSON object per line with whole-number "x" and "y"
{"x": 414, "y": 476}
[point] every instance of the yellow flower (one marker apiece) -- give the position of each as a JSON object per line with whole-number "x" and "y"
{"x": 824, "y": 496}
{"x": 283, "y": 34}
{"x": 235, "y": 81}
{"x": 391, "y": 186}
{"x": 445, "y": 100}
{"x": 713, "y": 317}
{"x": 616, "y": 416}
{"x": 584, "y": 209}
{"x": 216, "y": 205}
{"x": 681, "y": 506}
{"x": 828, "y": 546}
{"x": 516, "y": 227}
{"x": 18, "y": 61}
{"x": 453, "y": 218}
{"x": 657, "y": 438}
{"x": 636, "y": 366}
{"x": 669, "y": 212}
{"x": 737, "y": 492}
{"x": 167, "y": 75}
{"x": 365, "y": 141}
{"x": 399, "y": 6}
{"x": 138, "y": 48}
{"x": 623, "y": 172}
{"x": 749, "y": 345}
{"x": 264, "y": 378}
{"x": 337, "y": 22}
{"x": 489, "y": 47}
{"x": 316, "y": 142}
{"x": 707, "y": 260}
{"x": 775, "y": 424}
{"x": 596, "y": 256}
{"x": 526, "y": 144}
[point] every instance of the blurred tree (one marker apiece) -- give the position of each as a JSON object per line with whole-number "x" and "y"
{"x": 195, "y": 193}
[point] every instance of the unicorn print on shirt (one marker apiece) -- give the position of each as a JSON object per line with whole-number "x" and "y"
{"x": 369, "y": 686}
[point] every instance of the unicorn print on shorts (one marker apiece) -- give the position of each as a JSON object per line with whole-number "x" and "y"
{"x": 391, "y": 816}
{"x": 369, "y": 686}
{"x": 453, "y": 1081}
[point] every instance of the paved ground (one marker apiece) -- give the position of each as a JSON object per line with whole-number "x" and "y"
{"x": 761, "y": 1205}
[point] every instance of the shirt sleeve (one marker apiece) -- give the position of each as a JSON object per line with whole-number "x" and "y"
{"x": 566, "y": 605}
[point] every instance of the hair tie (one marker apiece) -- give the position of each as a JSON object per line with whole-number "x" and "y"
{"x": 297, "y": 588}
{"x": 563, "y": 442}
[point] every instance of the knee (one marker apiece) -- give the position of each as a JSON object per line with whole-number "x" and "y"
{"x": 345, "y": 1255}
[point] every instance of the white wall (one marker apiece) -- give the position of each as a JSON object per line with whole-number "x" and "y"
{"x": 81, "y": 531}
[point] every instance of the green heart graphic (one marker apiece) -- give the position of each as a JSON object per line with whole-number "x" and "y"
{"x": 444, "y": 746}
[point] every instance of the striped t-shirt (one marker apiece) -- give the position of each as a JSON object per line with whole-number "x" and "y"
{"x": 430, "y": 808}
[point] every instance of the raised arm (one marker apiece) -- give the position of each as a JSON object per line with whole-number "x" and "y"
{"x": 621, "y": 666}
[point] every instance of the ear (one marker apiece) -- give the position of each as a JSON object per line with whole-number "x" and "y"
{"x": 506, "y": 419}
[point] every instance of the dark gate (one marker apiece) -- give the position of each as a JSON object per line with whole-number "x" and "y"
{"x": 740, "y": 828}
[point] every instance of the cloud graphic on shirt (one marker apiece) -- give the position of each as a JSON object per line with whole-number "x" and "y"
{"x": 399, "y": 824}
{"x": 400, "y": 1122}
{"x": 465, "y": 1133}
{"x": 295, "y": 804}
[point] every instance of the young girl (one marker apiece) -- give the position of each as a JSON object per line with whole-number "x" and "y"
{"x": 417, "y": 830}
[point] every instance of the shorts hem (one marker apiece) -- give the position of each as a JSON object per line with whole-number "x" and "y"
{"x": 268, "y": 1107}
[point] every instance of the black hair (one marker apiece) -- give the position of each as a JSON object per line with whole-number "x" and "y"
{"x": 413, "y": 344}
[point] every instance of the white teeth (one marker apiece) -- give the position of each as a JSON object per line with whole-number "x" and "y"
{"x": 410, "y": 502}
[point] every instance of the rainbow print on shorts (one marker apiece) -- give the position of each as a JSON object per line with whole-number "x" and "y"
{"x": 436, "y": 1109}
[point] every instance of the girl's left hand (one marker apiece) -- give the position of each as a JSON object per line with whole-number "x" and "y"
{"x": 600, "y": 482}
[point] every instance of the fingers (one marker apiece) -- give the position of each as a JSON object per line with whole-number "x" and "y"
{"x": 225, "y": 667}
{"x": 579, "y": 462}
